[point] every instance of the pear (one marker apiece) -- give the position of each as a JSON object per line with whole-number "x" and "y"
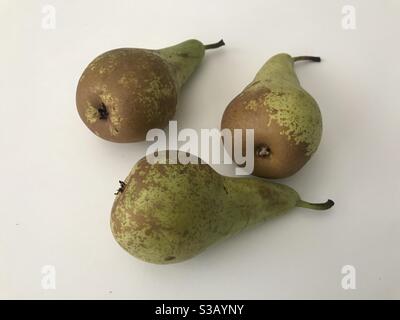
{"x": 125, "y": 92}
{"x": 286, "y": 119}
{"x": 166, "y": 213}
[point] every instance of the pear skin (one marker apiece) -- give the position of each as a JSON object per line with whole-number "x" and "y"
{"x": 286, "y": 119}
{"x": 167, "y": 213}
{"x": 125, "y": 92}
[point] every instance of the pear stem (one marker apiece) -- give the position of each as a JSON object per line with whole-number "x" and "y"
{"x": 307, "y": 58}
{"x": 215, "y": 45}
{"x": 315, "y": 206}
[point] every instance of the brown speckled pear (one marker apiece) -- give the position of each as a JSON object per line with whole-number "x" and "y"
{"x": 167, "y": 213}
{"x": 125, "y": 92}
{"x": 286, "y": 120}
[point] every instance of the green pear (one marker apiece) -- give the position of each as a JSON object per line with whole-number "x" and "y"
{"x": 166, "y": 213}
{"x": 286, "y": 119}
{"x": 125, "y": 92}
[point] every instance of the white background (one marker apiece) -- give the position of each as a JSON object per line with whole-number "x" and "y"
{"x": 58, "y": 179}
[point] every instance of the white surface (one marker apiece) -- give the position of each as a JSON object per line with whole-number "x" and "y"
{"x": 58, "y": 179}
